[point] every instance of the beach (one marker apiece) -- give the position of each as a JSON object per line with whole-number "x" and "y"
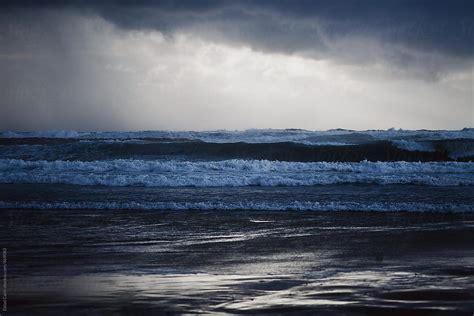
{"x": 239, "y": 262}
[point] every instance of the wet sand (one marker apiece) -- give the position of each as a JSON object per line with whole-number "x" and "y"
{"x": 237, "y": 262}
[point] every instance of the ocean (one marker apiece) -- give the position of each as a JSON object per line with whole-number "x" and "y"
{"x": 255, "y": 221}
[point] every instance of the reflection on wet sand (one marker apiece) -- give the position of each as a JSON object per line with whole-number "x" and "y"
{"x": 349, "y": 291}
{"x": 133, "y": 262}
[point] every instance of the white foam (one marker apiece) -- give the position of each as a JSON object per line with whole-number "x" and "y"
{"x": 44, "y": 134}
{"x": 414, "y": 146}
{"x": 257, "y": 206}
{"x": 236, "y": 172}
{"x": 260, "y": 135}
{"x": 454, "y": 149}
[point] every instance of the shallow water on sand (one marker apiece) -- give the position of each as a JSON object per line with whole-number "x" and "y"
{"x": 124, "y": 261}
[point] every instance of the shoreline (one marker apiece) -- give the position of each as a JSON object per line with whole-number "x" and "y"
{"x": 242, "y": 262}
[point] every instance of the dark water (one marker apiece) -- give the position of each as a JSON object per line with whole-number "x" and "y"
{"x": 302, "y": 167}
{"x": 282, "y": 151}
{"x": 273, "y": 144}
{"x": 109, "y": 262}
{"x": 338, "y": 197}
{"x": 259, "y": 221}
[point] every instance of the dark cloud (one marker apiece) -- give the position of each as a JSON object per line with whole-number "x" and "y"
{"x": 444, "y": 27}
{"x": 79, "y": 64}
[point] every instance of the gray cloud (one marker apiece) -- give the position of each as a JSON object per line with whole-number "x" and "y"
{"x": 426, "y": 37}
{"x": 209, "y": 64}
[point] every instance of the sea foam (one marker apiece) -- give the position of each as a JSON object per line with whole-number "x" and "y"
{"x": 235, "y": 172}
{"x": 256, "y": 206}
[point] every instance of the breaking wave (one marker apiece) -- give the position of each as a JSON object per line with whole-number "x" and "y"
{"x": 256, "y": 206}
{"x": 286, "y": 145}
{"x": 235, "y": 172}
{"x": 259, "y": 135}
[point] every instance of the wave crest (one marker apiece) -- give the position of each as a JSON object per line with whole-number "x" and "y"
{"x": 235, "y": 172}
{"x": 255, "y": 206}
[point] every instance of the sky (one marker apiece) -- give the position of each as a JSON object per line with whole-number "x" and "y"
{"x": 207, "y": 65}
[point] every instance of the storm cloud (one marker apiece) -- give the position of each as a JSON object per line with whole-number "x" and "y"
{"x": 319, "y": 29}
{"x": 236, "y": 64}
